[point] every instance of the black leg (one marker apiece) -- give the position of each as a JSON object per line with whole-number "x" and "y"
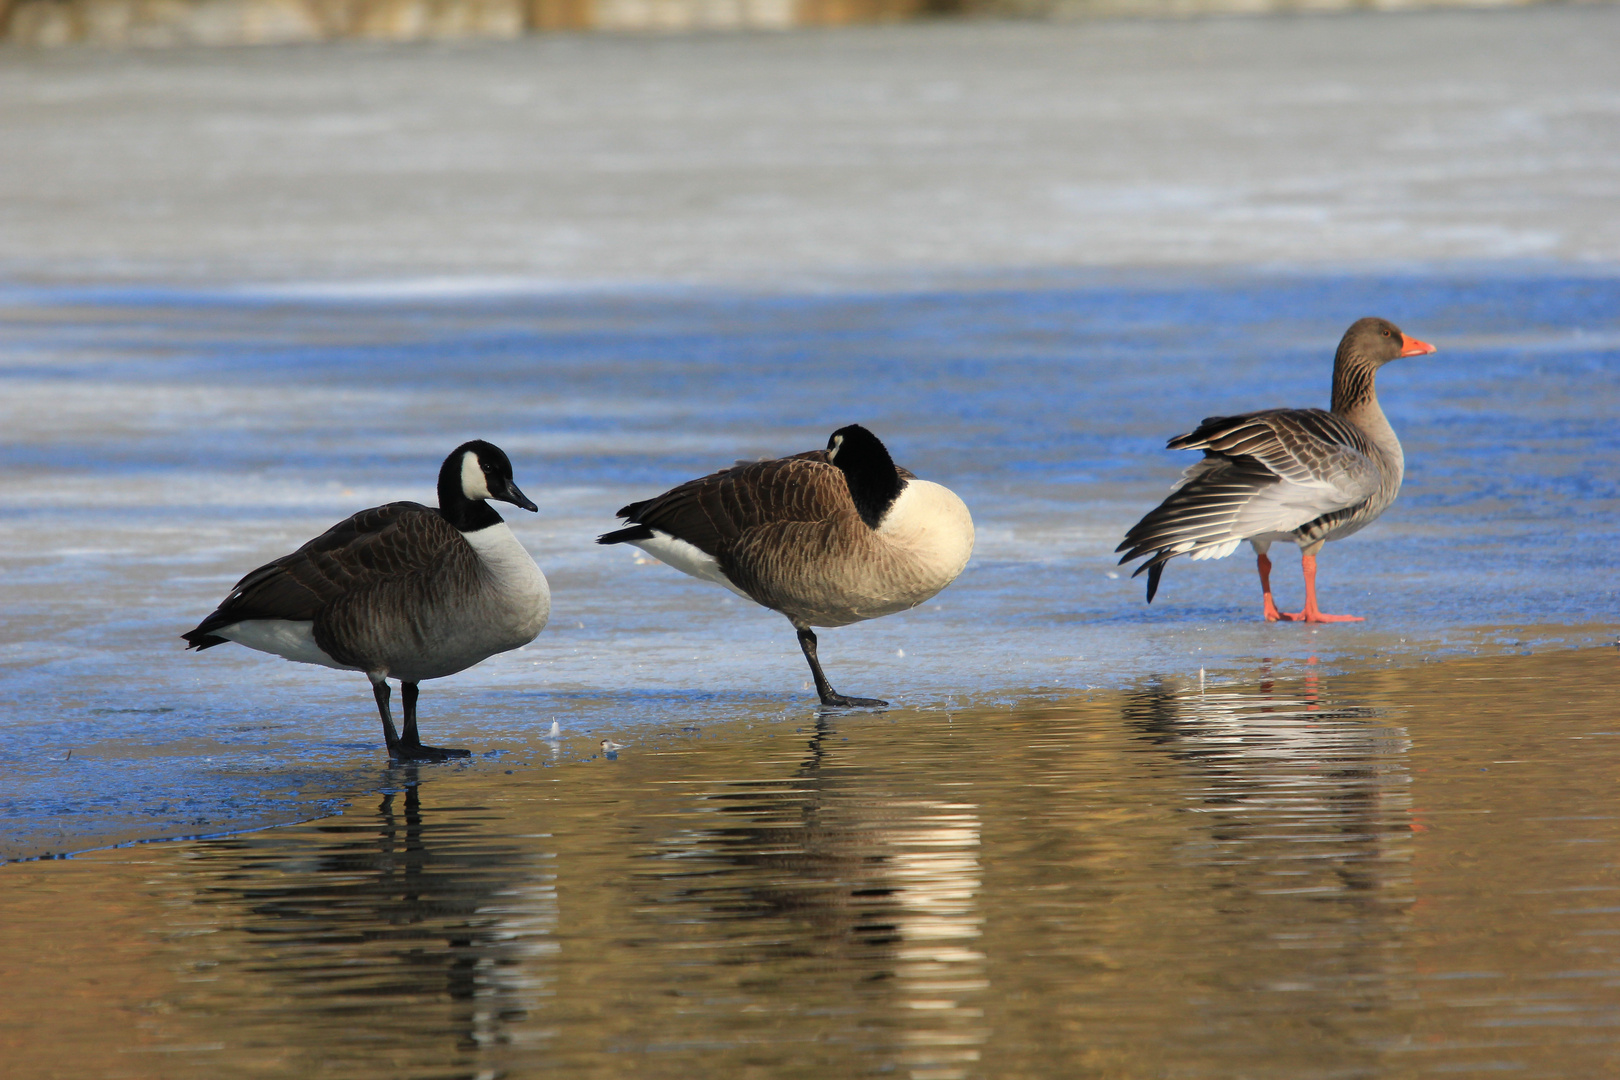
{"x": 379, "y": 690}
{"x": 410, "y": 743}
{"x": 829, "y": 696}
{"x": 410, "y": 692}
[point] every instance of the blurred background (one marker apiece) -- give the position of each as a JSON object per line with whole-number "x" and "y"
{"x": 236, "y": 22}
{"x": 986, "y": 146}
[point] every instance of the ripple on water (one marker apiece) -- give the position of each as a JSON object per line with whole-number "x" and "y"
{"x": 1274, "y": 873}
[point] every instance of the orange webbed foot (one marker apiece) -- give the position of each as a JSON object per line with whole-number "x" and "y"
{"x": 1308, "y": 616}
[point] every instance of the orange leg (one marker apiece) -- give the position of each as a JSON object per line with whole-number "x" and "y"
{"x": 1264, "y": 564}
{"x": 1312, "y": 614}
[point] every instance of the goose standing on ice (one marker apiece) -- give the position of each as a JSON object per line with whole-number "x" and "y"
{"x": 826, "y": 538}
{"x": 1285, "y": 474}
{"x": 399, "y": 591}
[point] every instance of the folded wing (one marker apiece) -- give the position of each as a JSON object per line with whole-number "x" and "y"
{"x": 712, "y": 513}
{"x": 1263, "y": 474}
{"x": 372, "y": 547}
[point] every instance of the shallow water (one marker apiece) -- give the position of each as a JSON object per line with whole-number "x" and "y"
{"x": 1406, "y": 872}
{"x": 157, "y": 445}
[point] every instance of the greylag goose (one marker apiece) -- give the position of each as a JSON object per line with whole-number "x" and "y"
{"x": 826, "y": 538}
{"x": 399, "y": 591}
{"x": 1285, "y": 474}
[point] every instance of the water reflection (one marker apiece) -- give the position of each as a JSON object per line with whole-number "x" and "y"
{"x": 1304, "y": 854}
{"x": 863, "y": 883}
{"x": 1215, "y": 881}
{"x": 390, "y": 932}
{"x": 1318, "y": 791}
{"x": 1237, "y": 857}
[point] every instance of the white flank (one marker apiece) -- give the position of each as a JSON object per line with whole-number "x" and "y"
{"x": 282, "y": 637}
{"x": 687, "y": 558}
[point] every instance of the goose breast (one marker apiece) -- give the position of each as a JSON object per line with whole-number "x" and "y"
{"x": 837, "y": 571}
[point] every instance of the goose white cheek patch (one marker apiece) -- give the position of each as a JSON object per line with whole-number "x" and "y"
{"x": 473, "y": 484}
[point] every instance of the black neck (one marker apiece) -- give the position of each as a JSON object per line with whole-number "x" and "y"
{"x": 873, "y": 481}
{"x": 468, "y": 515}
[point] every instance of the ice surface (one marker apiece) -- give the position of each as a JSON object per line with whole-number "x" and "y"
{"x": 155, "y": 450}
{"x": 248, "y": 292}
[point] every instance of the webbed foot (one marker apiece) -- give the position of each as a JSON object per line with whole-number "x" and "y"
{"x": 1316, "y": 617}
{"x": 839, "y": 701}
{"x": 417, "y": 752}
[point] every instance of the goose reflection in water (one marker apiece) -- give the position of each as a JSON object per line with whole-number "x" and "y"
{"x": 402, "y": 940}
{"x": 1308, "y": 825}
{"x": 1287, "y": 771}
{"x": 867, "y": 893}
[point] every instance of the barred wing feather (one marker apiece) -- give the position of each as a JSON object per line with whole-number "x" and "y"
{"x": 1262, "y": 474}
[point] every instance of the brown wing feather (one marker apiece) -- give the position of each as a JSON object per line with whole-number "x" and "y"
{"x": 372, "y": 546}
{"x": 712, "y": 512}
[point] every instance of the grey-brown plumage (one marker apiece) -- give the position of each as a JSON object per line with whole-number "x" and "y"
{"x": 1306, "y": 475}
{"x": 385, "y": 589}
{"x": 774, "y": 526}
{"x": 402, "y": 590}
{"x": 826, "y": 538}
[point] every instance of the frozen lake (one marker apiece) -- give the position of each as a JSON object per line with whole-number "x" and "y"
{"x": 161, "y": 444}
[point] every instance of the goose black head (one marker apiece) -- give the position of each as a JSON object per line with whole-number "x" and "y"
{"x": 474, "y": 472}
{"x": 874, "y": 482}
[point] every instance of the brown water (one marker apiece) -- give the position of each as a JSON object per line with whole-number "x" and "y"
{"x": 1394, "y": 873}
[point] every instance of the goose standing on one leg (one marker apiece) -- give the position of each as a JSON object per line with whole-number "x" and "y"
{"x": 399, "y": 591}
{"x": 826, "y": 538}
{"x": 1285, "y": 474}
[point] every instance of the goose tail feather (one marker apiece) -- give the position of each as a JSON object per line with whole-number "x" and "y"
{"x": 625, "y": 536}
{"x": 200, "y": 639}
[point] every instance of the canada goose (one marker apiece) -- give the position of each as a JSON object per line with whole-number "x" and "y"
{"x": 827, "y": 538}
{"x": 1285, "y": 474}
{"x": 399, "y": 591}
